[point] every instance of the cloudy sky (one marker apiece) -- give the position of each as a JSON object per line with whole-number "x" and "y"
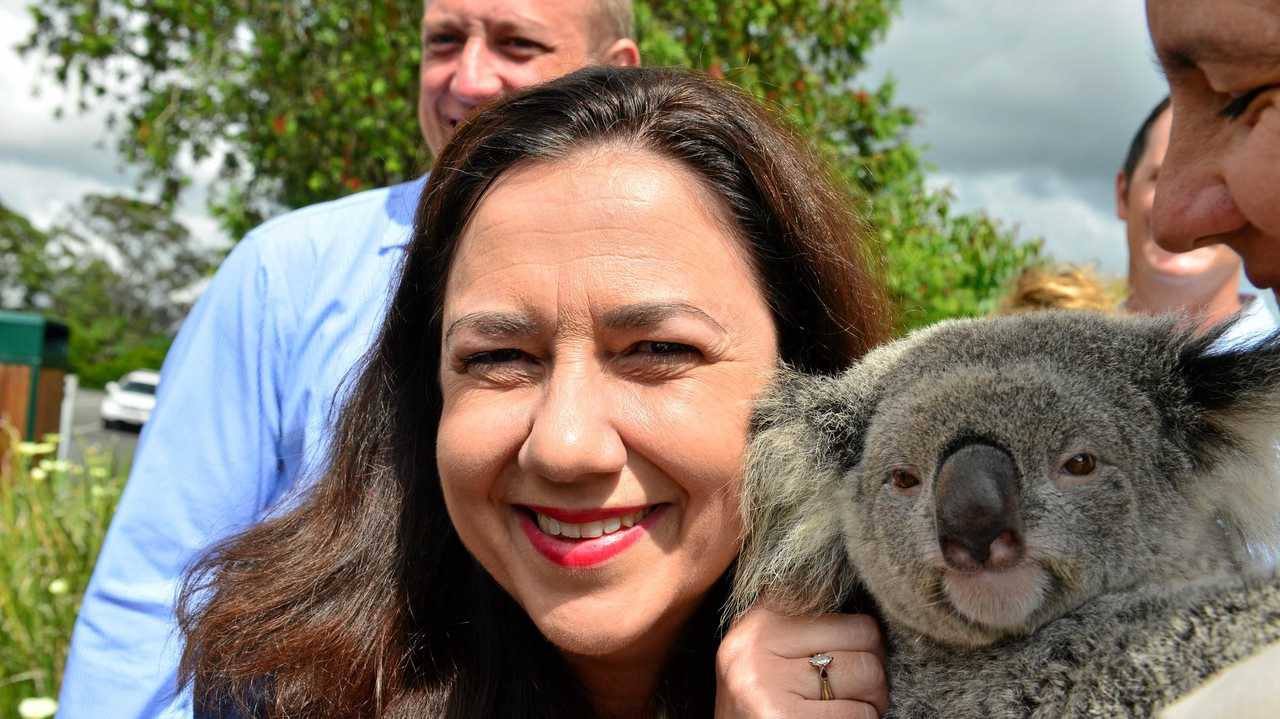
{"x": 1027, "y": 110}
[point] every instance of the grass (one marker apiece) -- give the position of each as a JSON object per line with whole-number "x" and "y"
{"x": 53, "y": 516}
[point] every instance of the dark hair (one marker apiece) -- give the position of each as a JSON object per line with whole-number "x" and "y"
{"x": 363, "y": 601}
{"x": 1139, "y": 143}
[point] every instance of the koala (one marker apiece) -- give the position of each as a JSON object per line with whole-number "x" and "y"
{"x": 1056, "y": 514}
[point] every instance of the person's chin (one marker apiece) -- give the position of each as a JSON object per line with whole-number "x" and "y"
{"x": 593, "y": 629}
{"x": 1191, "y": 265}
{"x": 1261, "y": 255}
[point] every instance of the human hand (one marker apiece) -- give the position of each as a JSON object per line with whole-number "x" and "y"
{"x": 763, "y": 670}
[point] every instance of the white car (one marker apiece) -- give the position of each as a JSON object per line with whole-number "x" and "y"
{"x": 129, "y": 402}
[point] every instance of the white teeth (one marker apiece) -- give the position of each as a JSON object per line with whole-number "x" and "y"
{"x": 589, "y": 530}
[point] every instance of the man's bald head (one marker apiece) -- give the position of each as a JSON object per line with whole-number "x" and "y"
{"x": 612, "y": 20}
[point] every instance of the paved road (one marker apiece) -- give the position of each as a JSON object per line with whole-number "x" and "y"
{"x": 87, "y": 430}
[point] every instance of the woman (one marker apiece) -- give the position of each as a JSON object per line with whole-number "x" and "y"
{"x": 530, "y": 506}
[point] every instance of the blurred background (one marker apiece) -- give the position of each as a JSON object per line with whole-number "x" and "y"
{"x": 140, "y": 140}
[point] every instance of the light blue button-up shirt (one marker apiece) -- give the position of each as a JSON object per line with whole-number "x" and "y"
{"x": 244, "y": 405}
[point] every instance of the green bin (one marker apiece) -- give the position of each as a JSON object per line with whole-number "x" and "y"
{"x": 33, "y": 366}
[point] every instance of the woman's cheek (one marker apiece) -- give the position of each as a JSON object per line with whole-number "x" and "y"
{"x": 480, "y": 433}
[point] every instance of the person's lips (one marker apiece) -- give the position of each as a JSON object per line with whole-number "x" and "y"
{"x": 584, "y": 538}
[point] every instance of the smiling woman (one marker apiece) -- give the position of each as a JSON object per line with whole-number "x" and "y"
{"x": 531, "y": 504}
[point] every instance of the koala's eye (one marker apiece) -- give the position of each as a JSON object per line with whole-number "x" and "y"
{"x": 1081, "y": 464}
{"x": 903, "y": 480}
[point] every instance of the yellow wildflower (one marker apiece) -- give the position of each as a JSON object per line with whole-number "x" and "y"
{"x": 37, "y": 708}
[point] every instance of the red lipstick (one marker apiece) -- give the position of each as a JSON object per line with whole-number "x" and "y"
{"x": 582, "y": 553}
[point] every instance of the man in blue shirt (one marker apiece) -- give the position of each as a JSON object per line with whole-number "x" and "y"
{"x": 248, "y": 390}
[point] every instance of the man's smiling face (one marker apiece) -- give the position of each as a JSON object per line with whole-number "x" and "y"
{"x": 476, "y": 50}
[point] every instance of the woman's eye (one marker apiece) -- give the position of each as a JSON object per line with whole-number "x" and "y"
{"x": 489, "y": 358}
{"x": 1240, "y": 104}
{"x": 662, "y": 349}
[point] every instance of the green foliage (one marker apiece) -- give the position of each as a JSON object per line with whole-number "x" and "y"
{"x": 24, "y": 268}
{"x": 940, "y": 265}
{"x": 306, "y": 100}
{"x": 53, "y": 516}
{"x": 112, "y": 270}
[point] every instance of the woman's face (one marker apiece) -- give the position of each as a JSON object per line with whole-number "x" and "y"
{"x": 604, "y": 335}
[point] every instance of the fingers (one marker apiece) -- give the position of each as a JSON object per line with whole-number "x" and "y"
{"x": 836, "y": 709}
{"x": 796, "y": 637}
{"x": 853, "y": 675}
{"x": 764, "y": 670}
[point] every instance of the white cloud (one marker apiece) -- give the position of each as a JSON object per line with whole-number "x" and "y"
{"x": 1013, "y": 85}
{"x": 1044, "y": 204}
{"x": 32, "y": 137}
{"x": 47, "y": 164}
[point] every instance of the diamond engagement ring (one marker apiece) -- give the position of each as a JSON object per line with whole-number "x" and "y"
{"x": 820, "y": 662}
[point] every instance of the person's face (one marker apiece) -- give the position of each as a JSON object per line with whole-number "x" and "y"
{"x": 1221, "y": 178}
{"x": 604, "y": 335}
{"x": 1134, "y": 199}
{"x": 476, "y": 50}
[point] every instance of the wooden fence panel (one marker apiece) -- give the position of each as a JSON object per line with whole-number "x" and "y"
{"x": 15, "y": 395}
{"x": 49, "y": 401}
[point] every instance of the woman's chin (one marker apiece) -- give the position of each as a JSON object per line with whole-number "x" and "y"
{"x": 596, "y": 638}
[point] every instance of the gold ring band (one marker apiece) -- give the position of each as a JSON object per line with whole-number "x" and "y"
{"x": 821, "y": 661}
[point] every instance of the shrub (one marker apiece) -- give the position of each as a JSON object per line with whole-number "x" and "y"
{"x": 53, "y": 516}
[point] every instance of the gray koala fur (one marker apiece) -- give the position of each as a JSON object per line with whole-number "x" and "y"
{"x": 1126, "y": 469}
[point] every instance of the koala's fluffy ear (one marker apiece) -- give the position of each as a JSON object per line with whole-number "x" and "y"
{"x": 1233, "y": 433}
{"x": 805, "y": 433}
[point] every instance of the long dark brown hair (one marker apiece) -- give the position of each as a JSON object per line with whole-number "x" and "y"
{"x": 362, "y": 600}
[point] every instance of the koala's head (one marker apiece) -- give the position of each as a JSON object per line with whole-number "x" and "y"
{"x": 983, "y": 477}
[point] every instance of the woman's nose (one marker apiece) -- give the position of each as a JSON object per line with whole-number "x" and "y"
{"x": 573, "y": 433}
{"x": 1193, "y": 202}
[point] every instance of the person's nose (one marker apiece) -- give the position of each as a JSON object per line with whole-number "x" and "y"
{"x": 477, "y": 78}
{"x": 1193, "y": 202}
{"x": 574, "y": 431}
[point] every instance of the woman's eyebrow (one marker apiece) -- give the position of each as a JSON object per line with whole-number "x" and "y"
{"x": 494, "y": 325}
{"x": 641, "y": 315}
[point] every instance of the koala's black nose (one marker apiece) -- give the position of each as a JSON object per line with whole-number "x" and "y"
{"x": 977, "y": 509}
